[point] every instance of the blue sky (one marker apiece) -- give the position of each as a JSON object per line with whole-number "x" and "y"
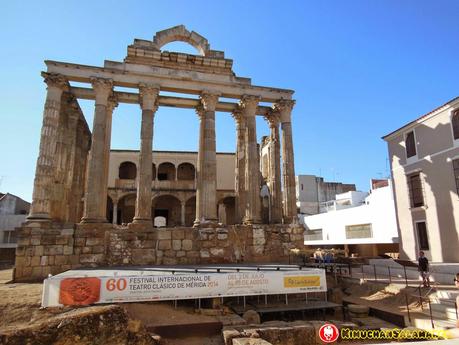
{"x": 360, "y": 69}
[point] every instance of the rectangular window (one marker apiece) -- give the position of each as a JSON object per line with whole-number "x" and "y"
{"x": 9, "y": 237}
{"x": 456, "y": 173}
{"x": 415, "y": 189}
{"x": 422, "y": 236}
{"x": 410, "y": 145}
{"x": 313, "y": 235}
{"x": 359, "y": 231}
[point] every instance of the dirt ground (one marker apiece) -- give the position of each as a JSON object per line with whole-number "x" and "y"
{"x": 19, "y": 302}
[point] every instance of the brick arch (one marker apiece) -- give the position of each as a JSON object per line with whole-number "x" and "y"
{"x": 180, "y": 33}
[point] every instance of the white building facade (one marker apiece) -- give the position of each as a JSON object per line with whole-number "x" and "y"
{"x": 13, "y": 211}
{"x": 361, "y": 223}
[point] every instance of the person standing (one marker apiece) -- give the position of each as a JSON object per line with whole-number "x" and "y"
{"x": 423, "y": 268}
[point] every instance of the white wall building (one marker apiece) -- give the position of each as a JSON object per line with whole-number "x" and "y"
{"x": 13, "y": 211}
{"x": 312, "y": 191}
{"x": 359, "y": 222}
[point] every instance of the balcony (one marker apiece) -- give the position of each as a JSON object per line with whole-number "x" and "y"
{"x": 156, "y": 184}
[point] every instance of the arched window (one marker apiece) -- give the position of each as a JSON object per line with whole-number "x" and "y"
{"x": 185, "y": 171}
{"x": 166, "y": 172}
{"x": 127, "y": 171}
{"x": 455, "y": 124}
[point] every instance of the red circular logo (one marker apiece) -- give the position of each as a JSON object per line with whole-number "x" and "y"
{"x": 328, "y": 333}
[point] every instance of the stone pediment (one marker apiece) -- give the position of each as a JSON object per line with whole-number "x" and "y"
{"x": 147, "y": 52}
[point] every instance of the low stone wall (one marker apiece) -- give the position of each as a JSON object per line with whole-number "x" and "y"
{"x": 48, "y": 248}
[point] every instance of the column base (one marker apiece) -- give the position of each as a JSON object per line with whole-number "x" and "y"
{"x": 39, "y": 217}
{"x": 86, "y": 220}
{"x": 138, "y": 220}
{"x": 205, "y": 223}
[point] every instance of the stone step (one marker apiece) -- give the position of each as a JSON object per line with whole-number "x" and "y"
{"x": 444, "y": 311}
{"x": 447, "y": 294}
{"x": 439, "y": 323}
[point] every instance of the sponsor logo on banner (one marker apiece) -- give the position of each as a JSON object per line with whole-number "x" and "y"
{"x": 328, "y": 333}
{"x": 79, "y": 291}
{"x": 301, "y": 281}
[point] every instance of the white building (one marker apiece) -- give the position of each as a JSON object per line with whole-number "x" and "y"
{"x": 361, "y": 223}
{"x": 312, "y": 191}
{"x": 13, "y": 211}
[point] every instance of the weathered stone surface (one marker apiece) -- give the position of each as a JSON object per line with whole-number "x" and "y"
{"x": 251, "y": 317}
{"x": 187, "y": 244}
{"x": 164, "y": 244}
{"x": 176, "y": 244}
{"x": 250, "y": 341}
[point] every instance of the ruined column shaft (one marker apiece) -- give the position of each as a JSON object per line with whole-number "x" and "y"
{"x": 290, "y": 211}
{"x": 284, "y": 109}
{"x": 112, "y": 103}
{"x": 206, "y": 196}
{"x": 240, "y": 168}
{"x": 47, "y": 161}
{"x": 143, "y": 201}
{"x": 275, "y": 174}
{"x": 95, "y": 189}
{"x": 199, "y": 189}
{"x": 252, "y": 166}
{"x": 148, "y": 97}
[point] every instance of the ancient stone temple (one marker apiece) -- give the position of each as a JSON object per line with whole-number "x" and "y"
{"x": 74, "y": 197}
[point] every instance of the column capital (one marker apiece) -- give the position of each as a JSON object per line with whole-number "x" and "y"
{"x": 199, "y": 110}
{"x": 112, "y": 102}
{"x": 103, "y": 89}
{"x": 209, "y": 100}
{"x": 148, "y": 96}
{"x": 55, "y": 80}
{"x": 249, "y": 104}
{"x": 237, "y": 115}
{"x": 284, "y": 107}
{"x": 272, "y": 118}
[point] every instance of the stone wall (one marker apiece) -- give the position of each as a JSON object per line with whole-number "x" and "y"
{"x": 48, "y": 248}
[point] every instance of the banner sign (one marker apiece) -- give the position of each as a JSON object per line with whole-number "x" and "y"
{"x": 161, "y": 286}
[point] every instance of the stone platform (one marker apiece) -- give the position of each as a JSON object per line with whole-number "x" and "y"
{"x": 48, "y": 248}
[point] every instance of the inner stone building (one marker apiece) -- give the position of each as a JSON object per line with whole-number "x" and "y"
{"x": 93, "y": 206}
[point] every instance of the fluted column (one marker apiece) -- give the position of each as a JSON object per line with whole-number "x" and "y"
{"x": 274, "y": 178}
{"x": 95, "y": 189}
{"x": 206, "y": 199}
{"x": 111, "y": 105}
{"x": 240, "y": 165}
{"x": 148, "y": 103}
{"x": 284, "y": 107}
{"x": 47, "y": 160}
{"x": 252, "y": 215}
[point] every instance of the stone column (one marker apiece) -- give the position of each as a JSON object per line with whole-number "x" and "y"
{"x": 206, "y": 201}
{"x": 95, "y": 189}
{"x": 240, "y": 165}
{"x": 274, "y": 178}
{"x": 183, "y": 212}
{"x": 148, "y": 103}
{"x": 47, "y": 160}
{"x": 111, "y": 105}
{"x": 284, "y": 107}
{"x": 252, "y": 214}
{"x": 115, "y": 212}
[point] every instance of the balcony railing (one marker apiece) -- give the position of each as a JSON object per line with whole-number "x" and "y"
{"x": 156, "y": 184}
